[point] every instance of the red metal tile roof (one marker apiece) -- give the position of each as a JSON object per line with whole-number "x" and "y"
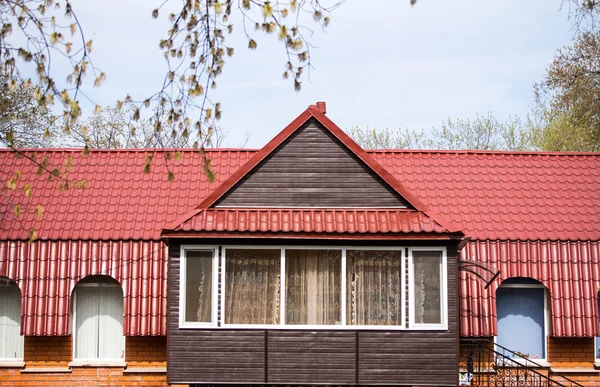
{"x": 570, "y": 271}
{"x": 338, "y": 221}
{"x": 528, "y": 196}
{"x": 47, "y": 272}
{"x": 504, "y": 195}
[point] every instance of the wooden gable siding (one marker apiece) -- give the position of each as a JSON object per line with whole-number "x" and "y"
{"x": 300, "y": 357}
{"x": 311, "y": 169}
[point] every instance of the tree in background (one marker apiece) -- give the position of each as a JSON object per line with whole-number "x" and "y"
{"x": 481, "y": 133}
{"x": 23, "y": 122}
{"x": 568, "y": 98}
{"x": 38, "y": 33}
{"x": 112, "y": 128}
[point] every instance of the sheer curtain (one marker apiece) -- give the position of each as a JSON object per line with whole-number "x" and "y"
{"x": 11, "y": 341}
{"x": 313, "y": 282}
{"x": 252, "y": 286}
{"x": 198, "y": 287}
{"x": 373, "y": 287}
{"x": 427, "y": 266}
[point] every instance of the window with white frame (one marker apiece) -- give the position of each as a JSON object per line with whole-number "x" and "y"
{"x": 310, "y": 287}
{"x": 11, "y": 341}
{"x": 521, "y": 308}
{"x": 198, "y": 285}
{"x": 427, "y": 273}
{"x": 98, "y": 306}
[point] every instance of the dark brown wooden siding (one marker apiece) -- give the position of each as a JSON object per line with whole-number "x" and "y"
{"x": 312, "y": 357}
{"x": 311, "y": 169}
{"x": 293, "y": 357}
{"x": 219, "y": 356}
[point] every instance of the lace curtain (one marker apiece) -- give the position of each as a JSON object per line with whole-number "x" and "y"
{"x": 198, "y": 297}
{"x": 427, "y": 286}
{"x": 313, "y": 285}
{"x": 373, "y": 287}
{"x": 252, "y": 286}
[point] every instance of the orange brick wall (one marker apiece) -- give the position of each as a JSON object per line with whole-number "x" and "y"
{"x": 56, "y": 352}
{"x": 568, "y": 353}
{"x": 46, "y": 351}
{"x": 146, "y": 352}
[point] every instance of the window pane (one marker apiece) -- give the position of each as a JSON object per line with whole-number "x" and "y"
{"x": 373, "y": 287}
{"x": 427, "y": 276}
{"x": 313, "y": 283}
{"x": 198, "y": 287}
{"x": 252, "y": 286}
{"x": 11, "y": 341}
{"x": 521, "y": 320}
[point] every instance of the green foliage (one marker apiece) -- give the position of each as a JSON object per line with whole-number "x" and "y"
{"x": 483, "y": 133}
{"x": 568, "y": 98}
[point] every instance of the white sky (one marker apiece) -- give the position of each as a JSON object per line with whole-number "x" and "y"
{"x": 381, "y": 63}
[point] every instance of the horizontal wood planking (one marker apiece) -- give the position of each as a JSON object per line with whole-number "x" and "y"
{"x": 312, "y": 169}
{"x": 312, "y": 357}
{"x": 297, "y": 357}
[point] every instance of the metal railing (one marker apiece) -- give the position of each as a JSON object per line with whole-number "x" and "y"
{"x": 486, "y": 364}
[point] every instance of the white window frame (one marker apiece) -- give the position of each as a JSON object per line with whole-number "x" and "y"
{"x": 78, "y": 361}
{"x": 342, "y": 325}
{"x": 14, "y": 361}
{"x": 443, "y": 290}
{"x": 182, "y": 285}
{"x": 541, "y": 361}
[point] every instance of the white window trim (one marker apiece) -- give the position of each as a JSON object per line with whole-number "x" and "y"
{"x": 443, "y": 292}
{"x": 93, "y": 362}
{"x": 182, "y": 284}
{"x": 342, "y": 326}
{"x": 541, "y": 361}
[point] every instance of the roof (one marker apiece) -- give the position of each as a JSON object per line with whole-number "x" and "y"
{"x": 47, "y": 272}
{"x": 311, "y": 222}
{"x": 528, "y": 196}
{"x": 570, "y": 270}
{"x": 415, "y": 219}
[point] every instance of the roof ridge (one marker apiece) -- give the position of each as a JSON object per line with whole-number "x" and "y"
{"x": 490, "y": 152}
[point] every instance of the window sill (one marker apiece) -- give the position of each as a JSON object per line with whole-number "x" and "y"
{"x": 12, "y": 364}
{"x": 46, "y": 370}
{"x": 539, "y": 363}
{"x": 98, "y": 363}
{"x": 147, "y": 370}
{"x": 574, "y": 370}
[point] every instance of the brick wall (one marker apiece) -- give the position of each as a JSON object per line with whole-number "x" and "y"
{"x": 568, "y": 352}
{"x": 47, "y": 364}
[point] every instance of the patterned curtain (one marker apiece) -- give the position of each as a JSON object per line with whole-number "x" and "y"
{"x": 373, "y": 287}
{"x": 252, "y": 286}
{"x": 427, "y": 286}
{"x": 313, "y": 286}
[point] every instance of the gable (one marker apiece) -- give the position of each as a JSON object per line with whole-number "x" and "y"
{"x": 312, "y": 169}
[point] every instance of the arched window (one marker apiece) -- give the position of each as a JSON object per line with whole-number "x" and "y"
{"x": 521, "y": 307}
{"x": 98, "y": 320}
{"x": 11, "y": 341}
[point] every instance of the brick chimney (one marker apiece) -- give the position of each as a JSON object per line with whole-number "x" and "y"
{"x": 322, "y": 107}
